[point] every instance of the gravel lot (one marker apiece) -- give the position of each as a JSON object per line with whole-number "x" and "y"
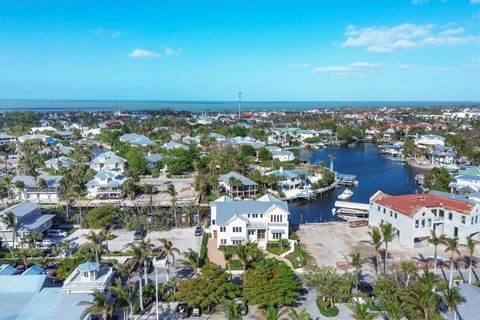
{"x": 182, "y": 238}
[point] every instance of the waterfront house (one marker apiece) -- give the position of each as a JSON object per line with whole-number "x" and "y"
{"x": 28, "y": 218}
{"x": 440, "y": 154}
{"x": 429, "y": 140}
{"x": 89, "y": 277}
{"x": 33, "y": 191}
{"x": 465, "y": 183}
{"x": 220, "y": 138}
{"x": 237, "y": 185}
{"x": 260, "y": 221}
{"x": 136, "y": 140}
{"x": 36, "y": 136}
{"x": 60, "y": 162}
{"x": 64, "y": 135}
{"x": 289, "y": 179}
{"x": 108, "y": 161}
{"x": 6, "y": 139}
{"x": 415, "y": 215}
{"x": 283, "y": 155}
{"x": 106, "y": 185}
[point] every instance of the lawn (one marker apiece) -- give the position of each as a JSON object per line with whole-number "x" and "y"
{"x": 277, "y": 248}
{"x": 299, "y": 257}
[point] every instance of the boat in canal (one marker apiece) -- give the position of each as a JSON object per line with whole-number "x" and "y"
{"x": 346, "y": 194}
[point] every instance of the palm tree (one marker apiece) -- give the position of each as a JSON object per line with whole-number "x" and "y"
{"x": 246, "y": 253}
{"x": 95, "y": 241}
{"x": 361, "y": 311}
{"x": 101, "y": 304}
{"x": 169, "y": 251}
{"x": 452, "y": 299}
{"x": 173, "y": 194}
{"x": 228, "y": 256}
{"x": 452, "y": 246}
{"x": 32, "y": 237}
{"x": 471, "y": 244}
{"x": 376, "y": 241}
{"x": 394, "y": 309}
{"x": 272, "y": 313}
{"x": 232, "y": 310}
{"x": 295, "y": 315}
{"x": 388, "y": 234}
{"x": 192, "y": 260}
{"x": 122, "y": 296}
{"x": 425, "y": 295}
{"x": 435, "y": 241}
{"x": 21, "y": 187}
{"x": 8, "y": 183}
{"x": 357, "y": 262}
{"x": 43, "y": 186}
{"x": 137, "y": 262}
{"x": 148, "y": 189}
{"x": 408, "y": 269}
{"x": 130, "y": 188}
{"x": 9, "y": 221}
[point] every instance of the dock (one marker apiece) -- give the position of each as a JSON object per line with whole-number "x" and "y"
{"x": 347, "y": 179}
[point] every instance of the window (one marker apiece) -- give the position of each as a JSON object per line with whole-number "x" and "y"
{"x": 417, "y": 222}
{"x": 251, "y": 232}
{"x": 450, "y": 216}
{"x": 261, "y": 215}
{"x": 429, "y": 223}
{"x": 213, "y": 222}
{"x": 464, "y": 219}
{"x": 237, "y": 229}
{"x": 476, "y": 219}
{"x": 391, "y": 213}
{"x": 223, "y": 229}
{"x": 395, "y": 215}
{"x": 378, "y": 208}
{"x": 223, "y": 241}
{"x": 423, "y": 223}
{"x": 235, "y": 242}
{"x": 249, "y": 215}
{"x": 384, "y": 210}
{"x": 276, "y": 236}
{"x": 441, "y": 213}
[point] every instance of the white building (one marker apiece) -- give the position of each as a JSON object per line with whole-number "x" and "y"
{"x": 414, "y": 216}
{"x": 283, "y": 155}
{"x": 6, "y": 139}
{"x": 106, "y": 185}
{"x": 88, "y": 277}
{"x": 108, "y": 161}
{"x": 136, "y": 140}
{"x": 262, "y": 220}
{"x": 465, "y": 183}
{"x": 33, "y": 191}
{"x": 237, "y": 185}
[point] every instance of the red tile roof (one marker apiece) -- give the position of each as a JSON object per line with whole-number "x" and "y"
{"x": 410, "y": 204}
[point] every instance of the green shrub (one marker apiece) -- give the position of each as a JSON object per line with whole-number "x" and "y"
{"x": 326, "y": 309}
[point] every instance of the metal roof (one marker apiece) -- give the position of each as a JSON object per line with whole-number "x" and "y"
{"x": 244, "y": 180}
{"x": 7, "y": 270}
{"x": 22, "y": 209}
{"x": 226, "y": 210}
{"x": 22, "y": 283}
{"x": 88, "y": 266}
{"x": 471, "y": 308}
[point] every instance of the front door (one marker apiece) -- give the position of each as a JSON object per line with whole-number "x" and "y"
{"x": 215, "y": 234}
{"x": 261, "y": 234}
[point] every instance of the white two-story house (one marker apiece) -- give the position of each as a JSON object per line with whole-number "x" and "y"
{"x": 108, "y": 161}
{"x": 262, "y": 220}
{"x": 106, "y": 185}
{"x": 415, "y": 215}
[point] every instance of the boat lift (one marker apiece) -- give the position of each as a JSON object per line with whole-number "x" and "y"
{"x": 351, "y": 211}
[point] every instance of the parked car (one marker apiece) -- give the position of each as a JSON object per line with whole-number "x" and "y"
{"x": 139, "y": 234}
{"x": 196, "y": 311}
{"x": 182, "y": 311}
{"x": 366, "y": 287}
{"x": 46, "y": 243}
{"x": 198, "y": 231}
{"x": 57, "y": 233}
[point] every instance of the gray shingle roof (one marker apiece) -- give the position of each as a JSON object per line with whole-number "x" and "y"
{"x": 108, "y": 157}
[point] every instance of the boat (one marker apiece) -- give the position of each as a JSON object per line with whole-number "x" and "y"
{"x": 347, "y": 193}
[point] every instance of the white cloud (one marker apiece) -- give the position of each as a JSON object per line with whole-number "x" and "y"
{"x": 299, "y": 65}
{"x": 474, "y": 1}
{"x": 141, "y": 53}
{"x": 355, "y": 69}
{"x": 101, "y": 31}
{"x": 173, "y": 52}
{"x": 414, "y": 68}
{"x": 381, "y": 39}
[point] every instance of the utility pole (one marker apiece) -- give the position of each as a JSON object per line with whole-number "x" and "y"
{"x": 239, "y": 101}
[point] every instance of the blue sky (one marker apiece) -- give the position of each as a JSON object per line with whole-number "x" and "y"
{"x": 270, "y": 50}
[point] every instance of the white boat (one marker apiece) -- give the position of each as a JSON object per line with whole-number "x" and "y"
{"x": 345, "y": 194}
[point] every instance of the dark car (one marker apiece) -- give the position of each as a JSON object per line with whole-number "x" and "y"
{"x": 198, "y": 231}
{"x": 366, "y": 287}
{"x": 182, "y": 311}
{"x": 139, "y": 234}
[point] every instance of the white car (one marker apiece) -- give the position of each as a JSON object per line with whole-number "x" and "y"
{"x": 46, "y": 243}
{"x": 56, "y": 233}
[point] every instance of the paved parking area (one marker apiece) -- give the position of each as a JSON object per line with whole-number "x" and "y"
{"x": 182, "y": 238}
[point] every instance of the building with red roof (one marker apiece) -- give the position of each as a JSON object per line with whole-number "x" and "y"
{"x": 415, "y": 215}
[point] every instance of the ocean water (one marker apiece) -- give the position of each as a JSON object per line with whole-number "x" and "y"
{"x": 373, "y": 170}
{"x": 202, "y": 106}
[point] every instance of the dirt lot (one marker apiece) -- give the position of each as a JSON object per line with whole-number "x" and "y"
{"x": 329, "y": 243}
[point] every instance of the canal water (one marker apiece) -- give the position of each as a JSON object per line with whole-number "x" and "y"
{"x": 373, "y": 170}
